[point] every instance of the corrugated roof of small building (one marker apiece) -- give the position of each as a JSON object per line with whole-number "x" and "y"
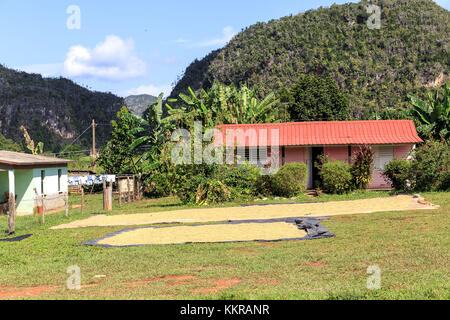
{"x": 328, "y": 133}
{"x": 25, "y": 159}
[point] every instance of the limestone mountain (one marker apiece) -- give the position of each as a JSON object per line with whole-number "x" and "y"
{"x": 377, "y": 68}
{"x": 54, "y": 110}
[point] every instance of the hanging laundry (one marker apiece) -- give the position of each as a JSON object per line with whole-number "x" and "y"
{"x": 90, "y": 180}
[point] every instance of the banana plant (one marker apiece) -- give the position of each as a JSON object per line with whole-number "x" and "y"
{"x": 35, "y": 149}
{"x": 223, "y": 104}
{"x": 434, "y": 115}
{"x": 151, "y": 133}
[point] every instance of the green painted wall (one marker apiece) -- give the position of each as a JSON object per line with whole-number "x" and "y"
{"x": 24, "y": 191}
{"x": 4, "y": 184}
{"x": 27, "y": 180}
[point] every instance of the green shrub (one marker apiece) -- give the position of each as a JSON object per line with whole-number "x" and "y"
{"x": 431, "y": 166}
{"x": 210, "y": 184}
{"x": 336, "y": 176}
{"x": 242, "y": 179}
{"x": 289, "y": 180}
{"x": 264, "y": 187}
{"x": 398, "y": 173}
{"x": 361, "y": 170}
{"x": 213, "y": 191}
{"x": 428, "y": 171}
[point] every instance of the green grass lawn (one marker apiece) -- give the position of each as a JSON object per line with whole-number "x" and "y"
{"x": 411, "y": 248}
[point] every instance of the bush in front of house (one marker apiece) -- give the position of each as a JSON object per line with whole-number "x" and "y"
{"x": 212, "y": 184}
{"x": 431, "y": 166}
{"x": 243, "y": 180}
{"x": 428, "y": 171}
{"x": 290, "y": 180}
{"x": 336, "y": 176}
{"x": 362, "y": 166}
{"x": 398, "y": 173}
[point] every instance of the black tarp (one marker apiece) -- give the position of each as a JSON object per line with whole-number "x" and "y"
{"x": 16, "y": 239}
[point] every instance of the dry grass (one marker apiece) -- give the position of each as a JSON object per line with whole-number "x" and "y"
{"x": 399, "y": 203}
{"x": 205, "y": 234}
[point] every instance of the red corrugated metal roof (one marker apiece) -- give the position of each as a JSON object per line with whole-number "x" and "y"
{"x": 328, "y": 133}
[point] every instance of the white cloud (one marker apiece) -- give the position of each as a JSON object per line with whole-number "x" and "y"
{"x": 148, "y": 89}
{"x": 112, "y": 59}
{"x": 46, "y": 70}
{"x": 227, "y": 34}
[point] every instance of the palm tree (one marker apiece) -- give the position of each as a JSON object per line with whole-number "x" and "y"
{"x": 434, "y": 115}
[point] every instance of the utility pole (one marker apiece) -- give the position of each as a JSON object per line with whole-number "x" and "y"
{"x": 93, "y": 138}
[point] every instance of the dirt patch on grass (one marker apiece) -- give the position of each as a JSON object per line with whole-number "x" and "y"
{"x": 32, "y": 292}
{"x": 35, "y": 292}
{"x": 15, "y": 292}
{"x": 218, "y": 285}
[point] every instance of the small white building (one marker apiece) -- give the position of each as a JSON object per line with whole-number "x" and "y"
{"x": 28, "y": 176}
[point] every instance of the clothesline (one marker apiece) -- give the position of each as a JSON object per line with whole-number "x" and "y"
{"x": 90, "y": 180}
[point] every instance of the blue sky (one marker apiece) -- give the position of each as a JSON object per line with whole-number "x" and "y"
{"x": 128, "y": 47}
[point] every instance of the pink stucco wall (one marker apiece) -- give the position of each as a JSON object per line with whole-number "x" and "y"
{"x": 337, "y": 153}
{"x": 401, "y": 152}
{"x": 295, "y": 154}
{"x": 340, "y": 153}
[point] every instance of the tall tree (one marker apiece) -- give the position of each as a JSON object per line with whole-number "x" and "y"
{"x": 118, "y": 156}
{"x": 9, "y": 144}
{"x": 315, "y": 99}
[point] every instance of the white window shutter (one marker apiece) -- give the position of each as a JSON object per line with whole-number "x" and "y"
{"x": 383, "y": 155}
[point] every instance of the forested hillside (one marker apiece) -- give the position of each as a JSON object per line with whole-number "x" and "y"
{"x": 376, "y": 68}
{"x": 54, "y": 110}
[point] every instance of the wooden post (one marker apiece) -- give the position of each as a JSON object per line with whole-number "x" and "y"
{"x": 82, "y": 200}
{"x": 43, "y": 208}
{"x": 109, "y": 197}
{"x": 139, "y": 186}
{"x": 120, "y": 192}
{"x": 12, "y": 203}
{"x": 93, "y": 139}
{"x": 66, "y": 200}
{"x": 128, "y": 189}
{"x": 104, "y": 195}
{"x": 134, "y": 189}
{"x": 12, "y": 213}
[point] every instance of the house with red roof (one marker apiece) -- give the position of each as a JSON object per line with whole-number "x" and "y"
{"x": 340, "y": 140}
